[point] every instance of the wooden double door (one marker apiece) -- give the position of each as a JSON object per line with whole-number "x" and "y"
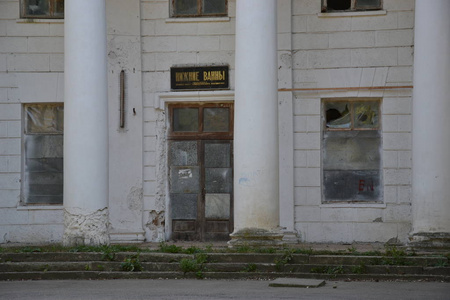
{"x": 200, "y": 158}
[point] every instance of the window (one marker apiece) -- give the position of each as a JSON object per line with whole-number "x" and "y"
{"x": 351, "y": 151}
{"x": 199, "y": 8}
{"x": 42, "y": 181}
{"x": 48, "y": 9}
{"x": 350, "y": 5}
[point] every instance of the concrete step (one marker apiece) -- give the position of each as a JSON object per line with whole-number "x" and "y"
{"x": 67, "y": 265}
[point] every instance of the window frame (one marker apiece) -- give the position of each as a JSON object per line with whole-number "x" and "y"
{"x": 352, "y": 102}
{"x": 23, "y": 193}
{"x": 199, "y": 14}
{"x": 200, "y": 133}
{"x": 353, "y": 7}
{"x": 51, "y": 8}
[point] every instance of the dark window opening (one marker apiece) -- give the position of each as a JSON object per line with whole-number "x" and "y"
{"x": 350, "y": 5}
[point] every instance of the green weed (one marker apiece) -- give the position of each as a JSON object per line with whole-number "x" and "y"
{"x": 250, "y": 268}
{"x": 163, "y": 247}
{"x": 132, "y": 264}
{"x": 287, "y": 256}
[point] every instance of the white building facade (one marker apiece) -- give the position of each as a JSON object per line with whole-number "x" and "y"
{"x": 270, "y": 120}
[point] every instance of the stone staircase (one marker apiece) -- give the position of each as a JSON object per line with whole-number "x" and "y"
{"x": 144, "y": 265}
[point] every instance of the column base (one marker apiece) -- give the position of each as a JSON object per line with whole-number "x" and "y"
{"x": 86, "y": 229}
{"x": 430, "y": 241}
{"x": 256, "y": 237}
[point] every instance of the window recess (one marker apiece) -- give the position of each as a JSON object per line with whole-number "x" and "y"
{"x": 199, "y": 8}
{"x": 42, "y": 9}
{"x": 351, "y": 152}
{"x": 350, "y": 5}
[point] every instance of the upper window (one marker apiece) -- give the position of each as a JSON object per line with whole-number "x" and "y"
{"x": 42, "y": 9}
{"x": 351, "y": 152}
{"x": 199, "y": 8}
{"x": 350, "y": 5}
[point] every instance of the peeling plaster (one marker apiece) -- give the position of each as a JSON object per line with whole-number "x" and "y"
{"x": 86, "y": 229}
{"x": 155, "y": 225}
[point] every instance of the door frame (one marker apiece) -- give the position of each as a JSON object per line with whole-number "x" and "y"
{"x": 162, "y": 101}
{"x": 198, "y": 229}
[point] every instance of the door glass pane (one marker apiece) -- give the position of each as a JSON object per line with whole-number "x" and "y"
{"x": 184, "y": 180}
{"x": 185, "y": 119}
{"x": 183, "y": 153}
{"x": 184, "y": 206}
{"x": 214, "y": 6}
{"x": 217, "y": 155}
{"x": 218, "y": 180}
{"x": 217, "y": 206}
{"x": 338, "y": 115}
{"x": 216, "y": 119}
{"x": 366, "y": 115}
{"x": 185, "y": 7}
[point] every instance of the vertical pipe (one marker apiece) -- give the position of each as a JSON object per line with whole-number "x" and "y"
{"x": 122, "y": 99}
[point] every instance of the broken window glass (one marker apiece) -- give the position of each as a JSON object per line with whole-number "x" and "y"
{"x": 338, "y": 115}
{"x": 185, "y": 119}
{"x": 366, "y": 115}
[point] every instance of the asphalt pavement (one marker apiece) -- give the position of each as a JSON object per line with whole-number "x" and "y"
{"x": 217, "y": 289}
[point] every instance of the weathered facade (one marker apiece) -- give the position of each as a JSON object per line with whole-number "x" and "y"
{"x": 138, "y": 120}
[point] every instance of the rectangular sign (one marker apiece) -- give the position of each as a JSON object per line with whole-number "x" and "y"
{"x": 199, "y": 78}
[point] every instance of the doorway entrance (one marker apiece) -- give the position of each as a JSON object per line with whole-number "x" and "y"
{"x": 200, "y": 158}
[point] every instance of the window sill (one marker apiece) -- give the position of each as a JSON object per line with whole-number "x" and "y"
{"x": 40, "y": 21}
{"x": 40, "y": 207}
{"x": 367, "y": 13}
{"x": 353, "y": 205}
{"x": 198, "y": 20}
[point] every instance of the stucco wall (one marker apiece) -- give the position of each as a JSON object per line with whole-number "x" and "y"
{"x": 353, "y": 50}
{"x": 31, "y": 70}
{"x": 315, "y": 51}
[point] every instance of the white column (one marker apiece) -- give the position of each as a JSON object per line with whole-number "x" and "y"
{"x": 256, "y": 159}
{"x": 85, "y": 124}
{"x": 431, "y": 112}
